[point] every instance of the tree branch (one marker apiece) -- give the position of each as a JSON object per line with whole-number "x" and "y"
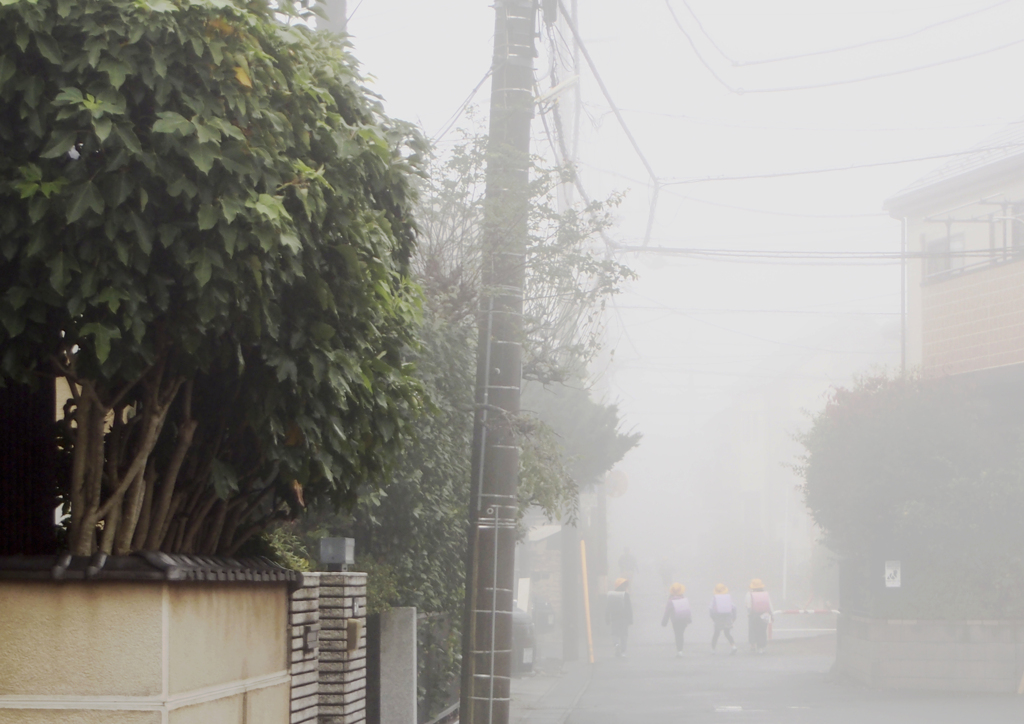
{"x": 186, "y": 432}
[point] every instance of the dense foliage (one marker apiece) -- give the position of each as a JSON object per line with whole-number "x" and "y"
{"x": 928, "y": 472}
{"x": 204, "y": 227}
{"x": 415, "y": 528}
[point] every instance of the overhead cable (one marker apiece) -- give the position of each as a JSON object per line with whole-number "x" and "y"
{"x": 781, "y": 213}
{"x": 804, "y": 257}
{"x": 822, "y": 313}
{"x": 462, "y": 109}
{"x": 842, "y": 49}
{"x": 830, "y": 84}
{"x": 851, "y": 167}
{"x": 719, "y": 122}
{"x": 618, "y": 115}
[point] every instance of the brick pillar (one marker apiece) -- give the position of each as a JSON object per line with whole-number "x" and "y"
{"x": 342, "y": 671}
{"x": 305, "y": 649}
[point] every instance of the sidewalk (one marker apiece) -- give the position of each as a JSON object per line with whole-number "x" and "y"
{"x": 549, "y": 696}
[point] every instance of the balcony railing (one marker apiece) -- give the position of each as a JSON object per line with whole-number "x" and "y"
{"x": 958, "y": 263}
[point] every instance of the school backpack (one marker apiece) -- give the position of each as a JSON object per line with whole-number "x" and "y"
{"x": 722, "y": 605}
{"x": 681, "y": 609}
{"x": 616, "y": 606}
{"x": 759, "y": 602}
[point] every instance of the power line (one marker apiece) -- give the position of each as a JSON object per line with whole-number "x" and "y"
{"x": 803, "y": 256}
{"x": 462, "y": 109}
{"x": 354, "y": 11}
{"x": 803, "y": 172}
{"x": 781, "y": 213}
{"x": 813, "y": 86}
{"x": 768, "y": 341}
{"x": 834, "y": 169}
{"x": 751, "y": 336}
{"x": 722, "y": 123}
{"x": 842, "y": 49}
{"x": 618, "y": 115}
{"x": 810, "y": 312}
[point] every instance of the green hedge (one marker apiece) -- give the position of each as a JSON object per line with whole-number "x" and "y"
{"x": 930, "y": 473}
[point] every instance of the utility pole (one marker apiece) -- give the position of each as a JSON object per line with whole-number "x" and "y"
{"x": 903, "y": 296}
{"x": 487, "y": 634}
{"x": 337, "y": 16}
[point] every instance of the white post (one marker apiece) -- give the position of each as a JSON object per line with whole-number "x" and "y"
{"x": 785, "y": 550}
{"x": 398, "y": 666}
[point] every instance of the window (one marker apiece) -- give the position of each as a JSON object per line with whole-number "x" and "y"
{"x": 943, "y": 255}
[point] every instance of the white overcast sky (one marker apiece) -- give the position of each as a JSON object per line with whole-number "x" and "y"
{"x": 690, "y": 336}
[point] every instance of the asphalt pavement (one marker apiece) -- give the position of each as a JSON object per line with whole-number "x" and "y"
{"x": 791, "y": 683}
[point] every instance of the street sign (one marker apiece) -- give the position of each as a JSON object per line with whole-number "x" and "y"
{"x": 892, "y": 574}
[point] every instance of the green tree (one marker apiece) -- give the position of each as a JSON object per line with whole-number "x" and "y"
{"x": 416, "y": 527}
{"x": 930, "y": 472}
{"x": 205, "y": 227}
{"x": 587, "y": 433}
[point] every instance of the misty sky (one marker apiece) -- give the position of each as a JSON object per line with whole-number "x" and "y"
{"x": 690, "y": 337}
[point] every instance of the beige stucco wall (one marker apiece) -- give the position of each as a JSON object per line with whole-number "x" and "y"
{"x": 225, "y": 632}
{"x": 50, "y": 716}
{"x": 144, "y": 653}
{"x": 69, "y": 639}
{"x": 268, "y": 706}
{"x": 227, "y": 710}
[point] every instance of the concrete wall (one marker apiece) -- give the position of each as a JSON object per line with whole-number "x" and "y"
{"x": 160, "y": 653}
{"x": 398, "y": 666}
{"x": 964, "y": 656}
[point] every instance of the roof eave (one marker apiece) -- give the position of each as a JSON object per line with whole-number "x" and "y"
{"x": 952, "y": 190}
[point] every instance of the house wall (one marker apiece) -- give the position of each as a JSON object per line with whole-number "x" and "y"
{"x": 974, "y": 321}
{"x": 966, "y": 320}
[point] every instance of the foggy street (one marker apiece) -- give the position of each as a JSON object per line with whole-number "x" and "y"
{"x": 491, "y": 361}
{"x": 789, "y": 683}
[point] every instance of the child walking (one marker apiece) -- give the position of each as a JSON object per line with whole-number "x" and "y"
{"x": 723, "y": 613}
{"x": 619, "y": 614}
{"x": 759, "y": 615}
{"x": 677, "y": 610}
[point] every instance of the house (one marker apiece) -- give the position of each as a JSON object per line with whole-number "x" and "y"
{"x": 964, "y": 238}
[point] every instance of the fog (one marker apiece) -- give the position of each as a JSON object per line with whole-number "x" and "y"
{"x": 721, "y": 358}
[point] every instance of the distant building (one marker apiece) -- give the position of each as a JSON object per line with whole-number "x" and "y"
{"x": 743, "y": 491}
{"x": 965, "y": 277}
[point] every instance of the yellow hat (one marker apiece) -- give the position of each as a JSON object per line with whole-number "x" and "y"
{"x": 721, "y": 588}
{"x": 755, "y": 584}
{"x": 678, "y": 589}
{"x": 621, "y": 583}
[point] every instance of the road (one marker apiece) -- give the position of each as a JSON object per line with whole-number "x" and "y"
{"x": 791, "y": 683}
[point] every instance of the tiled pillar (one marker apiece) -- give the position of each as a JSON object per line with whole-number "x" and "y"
{"x": 304, "y": 620}
{"x": 342, "y": 671}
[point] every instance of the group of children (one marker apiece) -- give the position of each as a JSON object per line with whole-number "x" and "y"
{"x": 619, "y": 613}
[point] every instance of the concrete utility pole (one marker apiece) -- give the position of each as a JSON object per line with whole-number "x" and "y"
{"x": 487, "y": 637}
{"x": 337, "y": 16}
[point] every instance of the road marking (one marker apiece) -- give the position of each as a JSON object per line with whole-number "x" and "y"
{"x": 728, "y": 708}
